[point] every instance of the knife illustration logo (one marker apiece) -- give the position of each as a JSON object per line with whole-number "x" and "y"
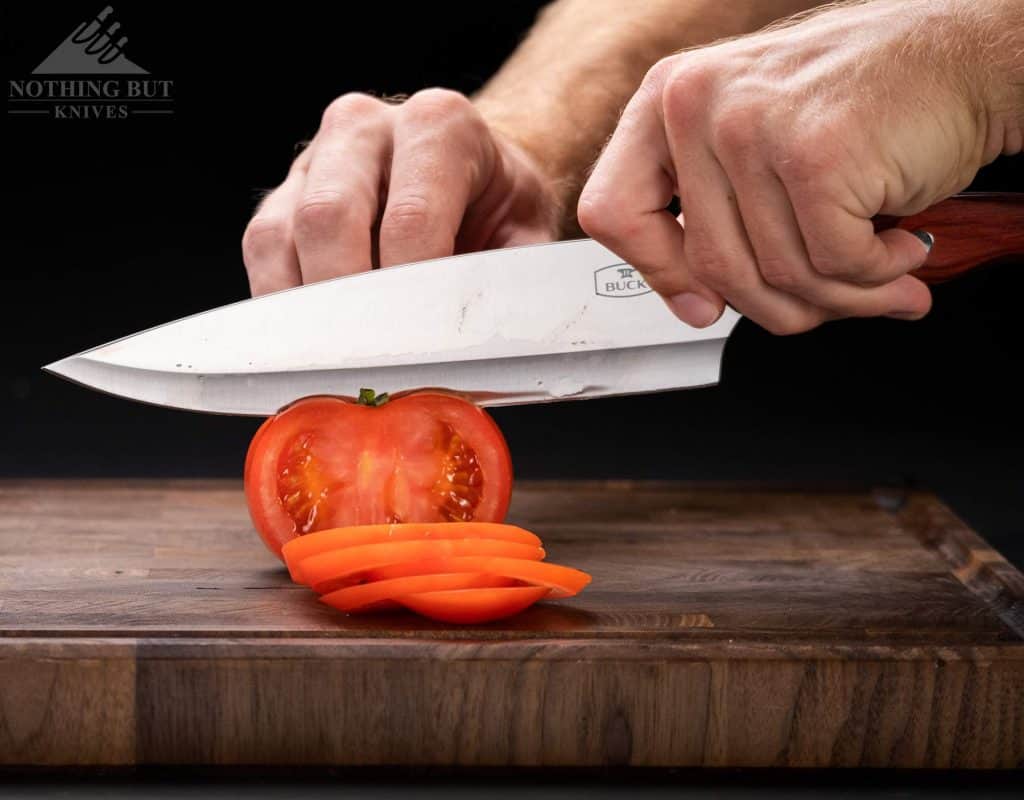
{"x": 619, "y": 280}
{"x": 95, "y": 46}
{"x": 88, "y": 76}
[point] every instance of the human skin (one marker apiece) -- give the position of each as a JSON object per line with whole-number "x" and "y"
{"x": 781, "y": 146}
{"x": 384, "y": 183}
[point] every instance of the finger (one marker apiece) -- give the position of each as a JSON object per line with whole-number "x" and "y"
{"x": 268, "y": 244}
{"x": 843, "y": 244}
{"x": 443, "y": 156}
{"x": 782, "y": 257}
{"x": 623, "y": 207}
{"x": 338, "y": 208}
{"x": 719, "y": 251}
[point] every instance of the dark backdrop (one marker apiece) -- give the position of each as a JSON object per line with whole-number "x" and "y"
{"x": 115, "y": 226}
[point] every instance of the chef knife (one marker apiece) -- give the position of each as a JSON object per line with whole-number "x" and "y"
{"x": 567, "y": 320}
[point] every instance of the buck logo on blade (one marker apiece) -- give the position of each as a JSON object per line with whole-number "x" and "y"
{"x": 619, "y": 280}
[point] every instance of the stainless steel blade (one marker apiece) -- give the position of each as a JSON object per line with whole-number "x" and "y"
{"x": 549, "y": 322}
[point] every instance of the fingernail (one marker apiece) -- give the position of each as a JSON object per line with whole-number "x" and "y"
{"x": 926, "y": 239}
{"x": 693, "y": 309}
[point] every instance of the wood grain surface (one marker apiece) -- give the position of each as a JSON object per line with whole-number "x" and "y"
{"x": 970, "y": 230}
{"x": 144, "y": 623}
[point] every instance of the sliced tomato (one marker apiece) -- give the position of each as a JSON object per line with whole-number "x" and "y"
{"x": 312, "y": 544}
{"x": 326, "y": 462}
{"x": 469, "y": 606}
{"x": 562, "y": 581}
{"x": 371, "y": 595}
{"x": 338, "y": 564}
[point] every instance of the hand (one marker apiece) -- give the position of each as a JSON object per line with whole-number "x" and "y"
{"x": 384, "y": 184}
{"x": 782, "y": 146}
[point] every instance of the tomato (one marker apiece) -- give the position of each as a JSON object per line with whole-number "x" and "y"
{"x": 365, "y": 596}
{"x": 326, "y": 462}
{"x": 349, "y": 561}
{"x": 562, "y": 581}
{"x": 297, "y": 550}
{"x": 468, "y": 606}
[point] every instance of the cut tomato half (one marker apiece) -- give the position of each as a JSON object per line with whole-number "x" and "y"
{"x": 312, "y": 544}
{"x": 469, "y": 606}
{"x": 327, "y": 462}
{"x": 348, "y": 561}
{"x": 371, "y": 595}
{"x": 562, "y": 581}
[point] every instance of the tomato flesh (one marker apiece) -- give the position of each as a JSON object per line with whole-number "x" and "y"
{"x": 469, "y": 606}
{"x": 561, "y": 581}
{"x": 374, "y": 595}
{"x": 297, "y": 550}
{"x": 321, "y": 487}
{"x": 326, "y": 463}
{"x": 451, "y": 571}
{"x": 338, "y": 564}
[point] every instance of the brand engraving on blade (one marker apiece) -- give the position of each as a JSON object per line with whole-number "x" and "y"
{"x": 619, "y": 280}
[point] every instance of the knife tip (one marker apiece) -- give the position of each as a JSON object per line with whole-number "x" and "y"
{"x": 58, "y": 368}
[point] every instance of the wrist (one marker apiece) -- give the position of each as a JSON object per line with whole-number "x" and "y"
{"x": 996, "y": 31}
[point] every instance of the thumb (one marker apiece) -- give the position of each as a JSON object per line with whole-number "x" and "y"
{"x": 897, "y": 252}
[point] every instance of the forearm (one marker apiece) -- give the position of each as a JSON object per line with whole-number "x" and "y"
{"x": 560, "y": 94}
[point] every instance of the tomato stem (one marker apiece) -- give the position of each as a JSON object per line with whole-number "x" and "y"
{"x": 368, "y": 397}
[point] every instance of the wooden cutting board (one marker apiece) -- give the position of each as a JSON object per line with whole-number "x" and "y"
{"x": 143, "y": 622}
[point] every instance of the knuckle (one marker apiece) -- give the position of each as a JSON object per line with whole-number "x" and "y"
{"x": 604, "y": 217}
{"x": 781, "y": 274}
{"x": 798, "y": 164}
{"x": 348, "y": 108}
{"x": 830, "y": 265}
{"x": 687, "y": 89}
{"x": 320, "y": 215}
{"x": 437, "y": 106}
{"x": 407, "y": 218}
{"x": 594, "y": 212}
{"x": 655, "y": 77}
{"x": 263, "y": 237}
{"x": 730, "y": 273}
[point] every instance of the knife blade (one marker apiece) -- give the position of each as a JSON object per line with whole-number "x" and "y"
{"x": 542, "y": 323}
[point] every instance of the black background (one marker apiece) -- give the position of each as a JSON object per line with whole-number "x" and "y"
{"x": 111, "y": 227}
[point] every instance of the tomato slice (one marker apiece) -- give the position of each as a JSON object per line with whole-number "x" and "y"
{"x": 469, "y": 606}
{"x": 370, "y": 595}
{"x": 344, "y": 563}
{"x": 326, "y": 462}
{"x": 562, "y": 581}
{"x": 312, "y": 544}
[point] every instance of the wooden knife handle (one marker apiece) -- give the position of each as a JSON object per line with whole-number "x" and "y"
{"x": 970, "y": 229}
